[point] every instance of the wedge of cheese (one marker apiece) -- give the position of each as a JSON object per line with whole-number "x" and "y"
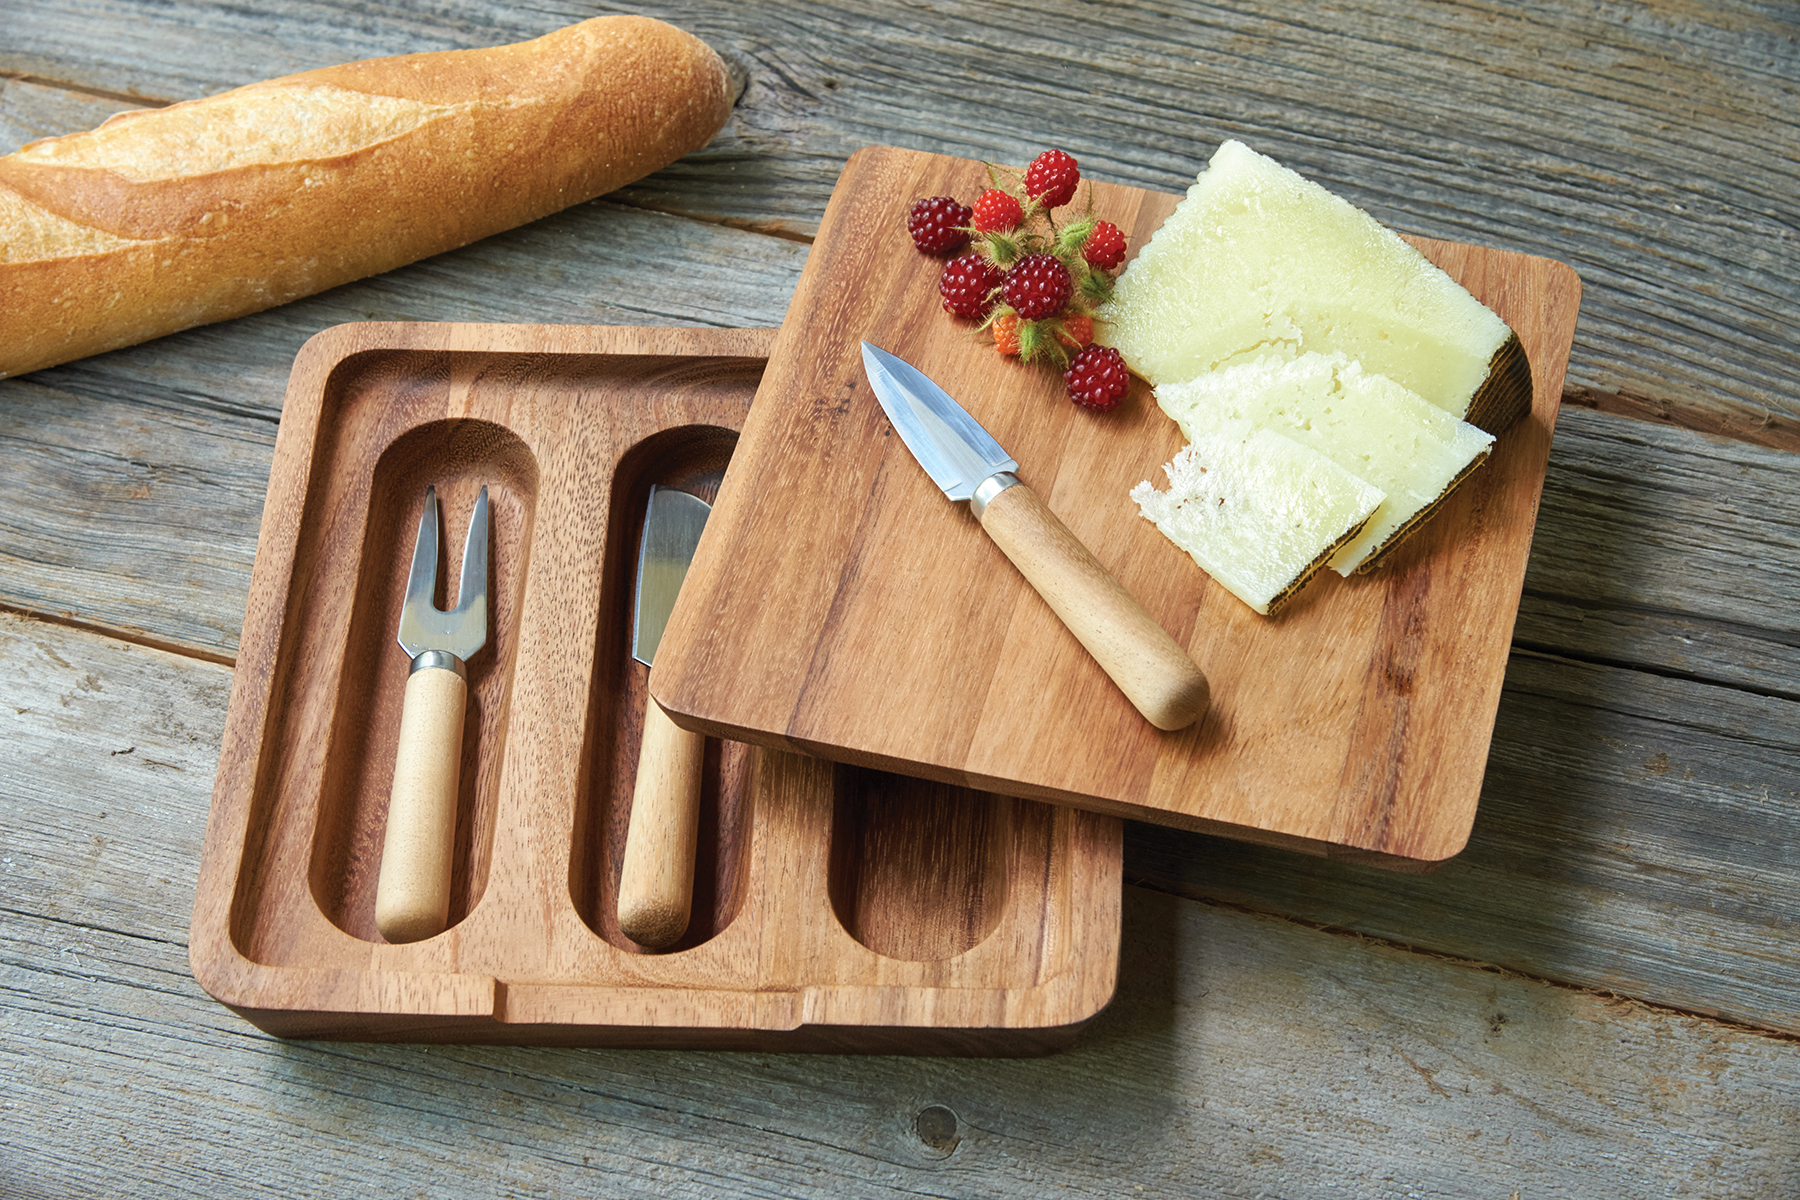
{"x": 1373, "y": 427}
{"x": 1259, "y": 261}
{"x": 1258, "y": 512}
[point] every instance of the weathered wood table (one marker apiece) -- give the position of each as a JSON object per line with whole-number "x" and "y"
{"x": 1600, "y": 997}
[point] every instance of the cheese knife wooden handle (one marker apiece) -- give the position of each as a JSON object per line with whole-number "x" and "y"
{"x": 1153, "y": 671}
{"x": 412, "y": 894}
{"x": 656, "y": 885}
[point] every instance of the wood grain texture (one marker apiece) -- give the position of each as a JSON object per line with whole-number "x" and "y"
{"x": 1356, "y": 724}
{"x": 170, "y": 442}
{"x": 1603, "y": 799}
{"x": 1653, "y": 150}
{"x": 566, "y": 429}
{"x": 1616, "y": 778}
{"x": 1238, "y": 1047}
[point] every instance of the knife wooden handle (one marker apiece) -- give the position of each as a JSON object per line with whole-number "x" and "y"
{"x": 656, "y": 886}
{"x": 1153, "y": 671}
{"x": 412, "y": 895}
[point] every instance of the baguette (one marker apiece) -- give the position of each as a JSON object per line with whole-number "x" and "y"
{"x": 163, "y": 219}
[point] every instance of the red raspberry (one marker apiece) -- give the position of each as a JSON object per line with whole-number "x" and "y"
{"x": 997, "y": 212}
{"x": 933, "y": 225}
{"x": 1051, "y": 178}
{"x": 1037, "y": 286}
{"x": 967, "y": 286}
{"x": 1098, "y": 379}
{"x": 1006, "y": 333}
{"x": 1077, "y": 331}
{"x": 1105, "y": 247}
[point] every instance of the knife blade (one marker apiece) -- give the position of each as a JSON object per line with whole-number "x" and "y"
{"x": 656, "y": 883}
{"x": 966, "y": 463}
{"x": 412, "y": 891}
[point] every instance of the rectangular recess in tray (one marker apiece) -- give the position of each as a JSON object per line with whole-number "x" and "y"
{"x": 836, "y": 907}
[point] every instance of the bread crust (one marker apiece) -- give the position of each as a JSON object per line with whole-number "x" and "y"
{"x": 163, "y": 219}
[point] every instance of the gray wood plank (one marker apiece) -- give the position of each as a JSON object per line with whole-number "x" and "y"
{"x": 1243, "y": 1055}
{"x": 1637, "y": 834}
{"x": 1724, "y": 540}
{"x": 1282, "y": 1062}
{"x": 1669, "y": 551}
{"x": 30, "y": 110}
{"x": 1655, "y": 152}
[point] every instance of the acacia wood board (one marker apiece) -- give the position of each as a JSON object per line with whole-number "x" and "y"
{"x": 840, "y": 606}
{"x": 836, "y": 907}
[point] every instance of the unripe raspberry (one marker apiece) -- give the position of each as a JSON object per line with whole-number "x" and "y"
{"x": 1077, "y": 331}
{"x": 1006, "y": 333}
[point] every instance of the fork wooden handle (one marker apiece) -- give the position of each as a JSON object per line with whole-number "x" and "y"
{"x": 1153, "y": 671}
{"x": 412, "y": 895}
{"x": 656, "y": 885}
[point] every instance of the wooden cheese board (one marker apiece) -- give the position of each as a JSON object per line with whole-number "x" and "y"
{"x": 837, "y": 908}
{"x": 840, "y": 606}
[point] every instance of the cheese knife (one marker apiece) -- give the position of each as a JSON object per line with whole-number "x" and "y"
{"x": 656, "y": 884}
{"x": 965, "y": 461}
{"x": 412, "y": 893}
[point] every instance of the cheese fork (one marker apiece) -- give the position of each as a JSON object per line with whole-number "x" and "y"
{"x": 412, "y": 894}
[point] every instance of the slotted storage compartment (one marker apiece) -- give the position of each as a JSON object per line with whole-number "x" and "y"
{"x": 836, "y": 907}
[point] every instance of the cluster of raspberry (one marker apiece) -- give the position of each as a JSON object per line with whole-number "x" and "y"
{"x": 1032, "y": 285}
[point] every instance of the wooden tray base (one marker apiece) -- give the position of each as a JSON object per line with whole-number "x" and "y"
{"x": 836, "y": 907}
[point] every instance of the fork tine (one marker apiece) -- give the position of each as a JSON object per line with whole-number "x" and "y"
{"x": 421, "y": 584}
{"x": 473, "y": 585}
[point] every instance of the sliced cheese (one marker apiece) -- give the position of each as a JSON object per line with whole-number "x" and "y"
{"x": 1258, "y": 261}
{"x": 1372, "y": 426}
{"x": 1257, "y": 511}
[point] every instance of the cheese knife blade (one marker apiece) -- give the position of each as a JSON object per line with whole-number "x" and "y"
{"x": 673, "y": 523}
{"x": 966, "y": 463}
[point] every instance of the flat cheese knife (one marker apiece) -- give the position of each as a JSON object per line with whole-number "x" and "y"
{"x": 656, "y": 884}
{"x": 965, "y": 461}
{"x": 412, "y": 894}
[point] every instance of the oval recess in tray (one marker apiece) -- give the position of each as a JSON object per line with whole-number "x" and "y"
{"x": 691, "y": 459}
{"x": 457, "y": 458}
{"x": 922, "y": 871}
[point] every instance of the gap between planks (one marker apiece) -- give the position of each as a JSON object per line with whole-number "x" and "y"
{"x": 63, "y": 85}
{"x": 130, "y": 637}
{"x": 1609, "y": 998}
{"x": 1550, "y": 653}
{"x": 1766, "y": 428}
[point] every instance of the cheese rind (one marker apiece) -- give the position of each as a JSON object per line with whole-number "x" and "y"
{"x": 1259, "y": 261}
{"x": 1257, "y": 511}
{"x": 1370, "y": 425}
